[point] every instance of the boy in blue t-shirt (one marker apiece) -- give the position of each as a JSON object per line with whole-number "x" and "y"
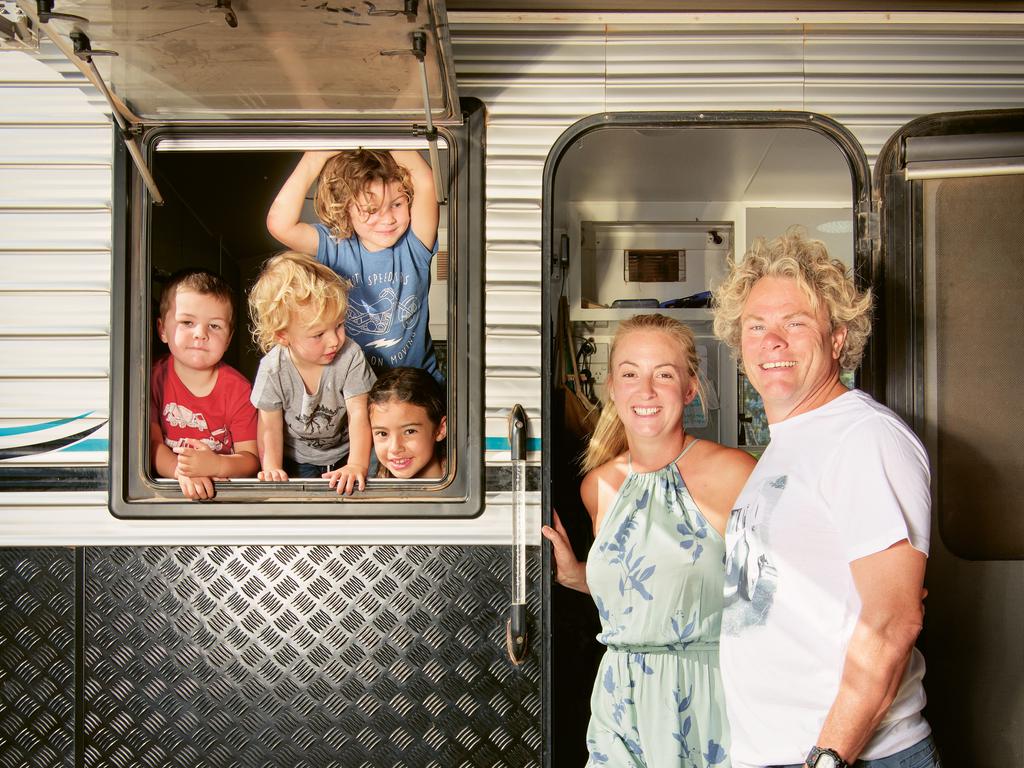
{"x": 378, "y": 230}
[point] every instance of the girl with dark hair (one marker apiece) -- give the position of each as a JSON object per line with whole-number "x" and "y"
{"x": 408, "y": 423}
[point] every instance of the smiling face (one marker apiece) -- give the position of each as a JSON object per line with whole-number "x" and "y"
{"x": 311, "y": 341}
{"x": 405, "y": 439}
{"x": 790, "y": 352}
{"x": 380, "y": 215}
{"x": 196, "y": 329}
{"x": 650, "y": 383}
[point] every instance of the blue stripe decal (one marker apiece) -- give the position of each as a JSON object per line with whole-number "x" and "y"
{"x": 8, "y": 431}
{"x": 95, "y": 444}
{"x": 502, "y": 444}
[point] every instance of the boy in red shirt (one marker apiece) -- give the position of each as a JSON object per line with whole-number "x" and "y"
{"x": 202, "y": 425}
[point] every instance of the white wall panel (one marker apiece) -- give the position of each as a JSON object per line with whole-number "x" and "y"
{"x": 55, "y": 220}
{"x": 55, "y": 230}
{"x": 43, "y": 399}
{"x": 63, "y": 187}
{"x": 73, "y": 270}
{"x": 71, "y": 313}
{"x": 55, "y": 357}
{"x": 60, "y": 145}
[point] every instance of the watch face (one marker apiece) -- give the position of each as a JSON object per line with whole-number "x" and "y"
{"x": 825, "y": 760}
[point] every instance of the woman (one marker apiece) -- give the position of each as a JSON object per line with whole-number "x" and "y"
{"x": 659, "y": 500}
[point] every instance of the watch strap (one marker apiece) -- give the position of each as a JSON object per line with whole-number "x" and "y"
{"x": 816, "y": 752}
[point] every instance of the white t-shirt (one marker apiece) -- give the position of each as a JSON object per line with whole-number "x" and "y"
{"x": 843, "y": 481}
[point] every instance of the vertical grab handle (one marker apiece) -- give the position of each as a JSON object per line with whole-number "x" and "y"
{"x": 515, "y": 629}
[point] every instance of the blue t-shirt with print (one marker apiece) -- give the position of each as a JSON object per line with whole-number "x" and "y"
{"x": 388, "y": 312}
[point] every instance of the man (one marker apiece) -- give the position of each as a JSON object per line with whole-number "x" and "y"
{"x": 827, "y": 542}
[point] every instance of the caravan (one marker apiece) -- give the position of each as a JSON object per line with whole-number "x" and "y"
{"x": 600, "y": 160}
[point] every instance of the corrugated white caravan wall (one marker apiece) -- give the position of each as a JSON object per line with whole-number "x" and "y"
{"x": 537, "y": 77}
{"x": 55, "y": 251}
{"x": 55, "y": 182}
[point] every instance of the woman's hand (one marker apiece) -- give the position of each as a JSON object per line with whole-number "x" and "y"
{"x": 569, "y": 571}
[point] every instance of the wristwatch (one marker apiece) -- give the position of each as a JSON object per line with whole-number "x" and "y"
{"x": 820, "y": 757}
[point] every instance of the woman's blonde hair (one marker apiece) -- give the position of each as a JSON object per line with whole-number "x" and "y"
{"x": 348, "y": 176}
{"x": 286, "y": 283}
{"x": 823, "y": 280}
{"x": 609, "y": 437}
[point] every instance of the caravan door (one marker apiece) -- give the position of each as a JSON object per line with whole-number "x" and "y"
{"x": 947, "y": 358}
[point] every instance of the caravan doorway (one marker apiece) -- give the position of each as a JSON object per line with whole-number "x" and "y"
{"x": 641, "y": 214}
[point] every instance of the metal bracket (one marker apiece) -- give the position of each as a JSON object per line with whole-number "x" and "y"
{"x": 16, "y": 29}
{"x": 44, "y": 10}
{"x": 868, "y": 227}
{"x": 229, "y": 14}
{"x": 83, "y": 50}
{"x": 419, "y": 50}
{"x": 409, "y": 11}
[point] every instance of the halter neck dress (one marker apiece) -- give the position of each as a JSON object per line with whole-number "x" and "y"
{"x": 656, "y": 573}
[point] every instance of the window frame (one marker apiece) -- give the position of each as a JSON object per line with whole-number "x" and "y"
{"x": 135, "y": 493}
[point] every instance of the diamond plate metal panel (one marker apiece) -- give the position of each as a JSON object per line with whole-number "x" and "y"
{"x": 37, "y": 658}
{"x": 305, "y": 656}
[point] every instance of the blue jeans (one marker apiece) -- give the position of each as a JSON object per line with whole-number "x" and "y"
{"x": 924, "y": 754}
{"x": 300, "y": 470}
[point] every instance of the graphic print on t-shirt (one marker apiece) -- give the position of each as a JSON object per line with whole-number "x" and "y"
{"x": 183, "y": 417}
{"x": 377, "y": 319}
{"x": 318, "y": 426}
{"x": 750, "y": 575}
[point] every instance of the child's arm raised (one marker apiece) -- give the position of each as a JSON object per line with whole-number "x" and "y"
{"x": 270, "y": 442}
{"x": 353, "y": 474}
{"x": 425, "y": 210}
{"x": 283, "y": 219}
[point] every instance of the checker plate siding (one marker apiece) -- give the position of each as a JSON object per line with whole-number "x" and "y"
{"x": 304, "y": 656}
{"x": 37, "y": 658}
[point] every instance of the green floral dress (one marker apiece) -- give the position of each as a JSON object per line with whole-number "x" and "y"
{"x": 656, "y": 572}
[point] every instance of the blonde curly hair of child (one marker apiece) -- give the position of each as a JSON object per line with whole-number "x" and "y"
{"x": 349, "y": 176}
{"x": 823, "y": 280}
{"x": 287, "y": 282}
{"x": 609, "y": 437}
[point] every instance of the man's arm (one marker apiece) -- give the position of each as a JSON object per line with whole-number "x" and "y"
{"x": 425, "y": 210}
{"x": 283, "y": 219}
{"x": 889, "y": 584}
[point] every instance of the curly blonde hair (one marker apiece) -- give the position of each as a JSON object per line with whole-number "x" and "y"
{"x": 823, "y": 280}
{"x": 609, "y": 437}
{"x": 349, "y": 175}
{"x": 287, "y": 282}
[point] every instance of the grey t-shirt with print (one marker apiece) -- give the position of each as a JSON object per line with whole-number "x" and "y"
{"x": 315, "y": 426}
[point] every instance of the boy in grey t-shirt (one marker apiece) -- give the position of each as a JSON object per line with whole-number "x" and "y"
{"x": 312, "y": 384}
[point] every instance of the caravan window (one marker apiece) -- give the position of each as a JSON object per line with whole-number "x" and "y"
{"x": 217, "y": 189}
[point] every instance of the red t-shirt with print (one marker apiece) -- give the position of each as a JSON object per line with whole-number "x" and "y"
{"x": 220, "y": 419}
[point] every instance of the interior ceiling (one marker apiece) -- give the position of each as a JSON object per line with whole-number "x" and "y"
{"x": 702, "y": 165}
{"x": 229, "y": 192}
